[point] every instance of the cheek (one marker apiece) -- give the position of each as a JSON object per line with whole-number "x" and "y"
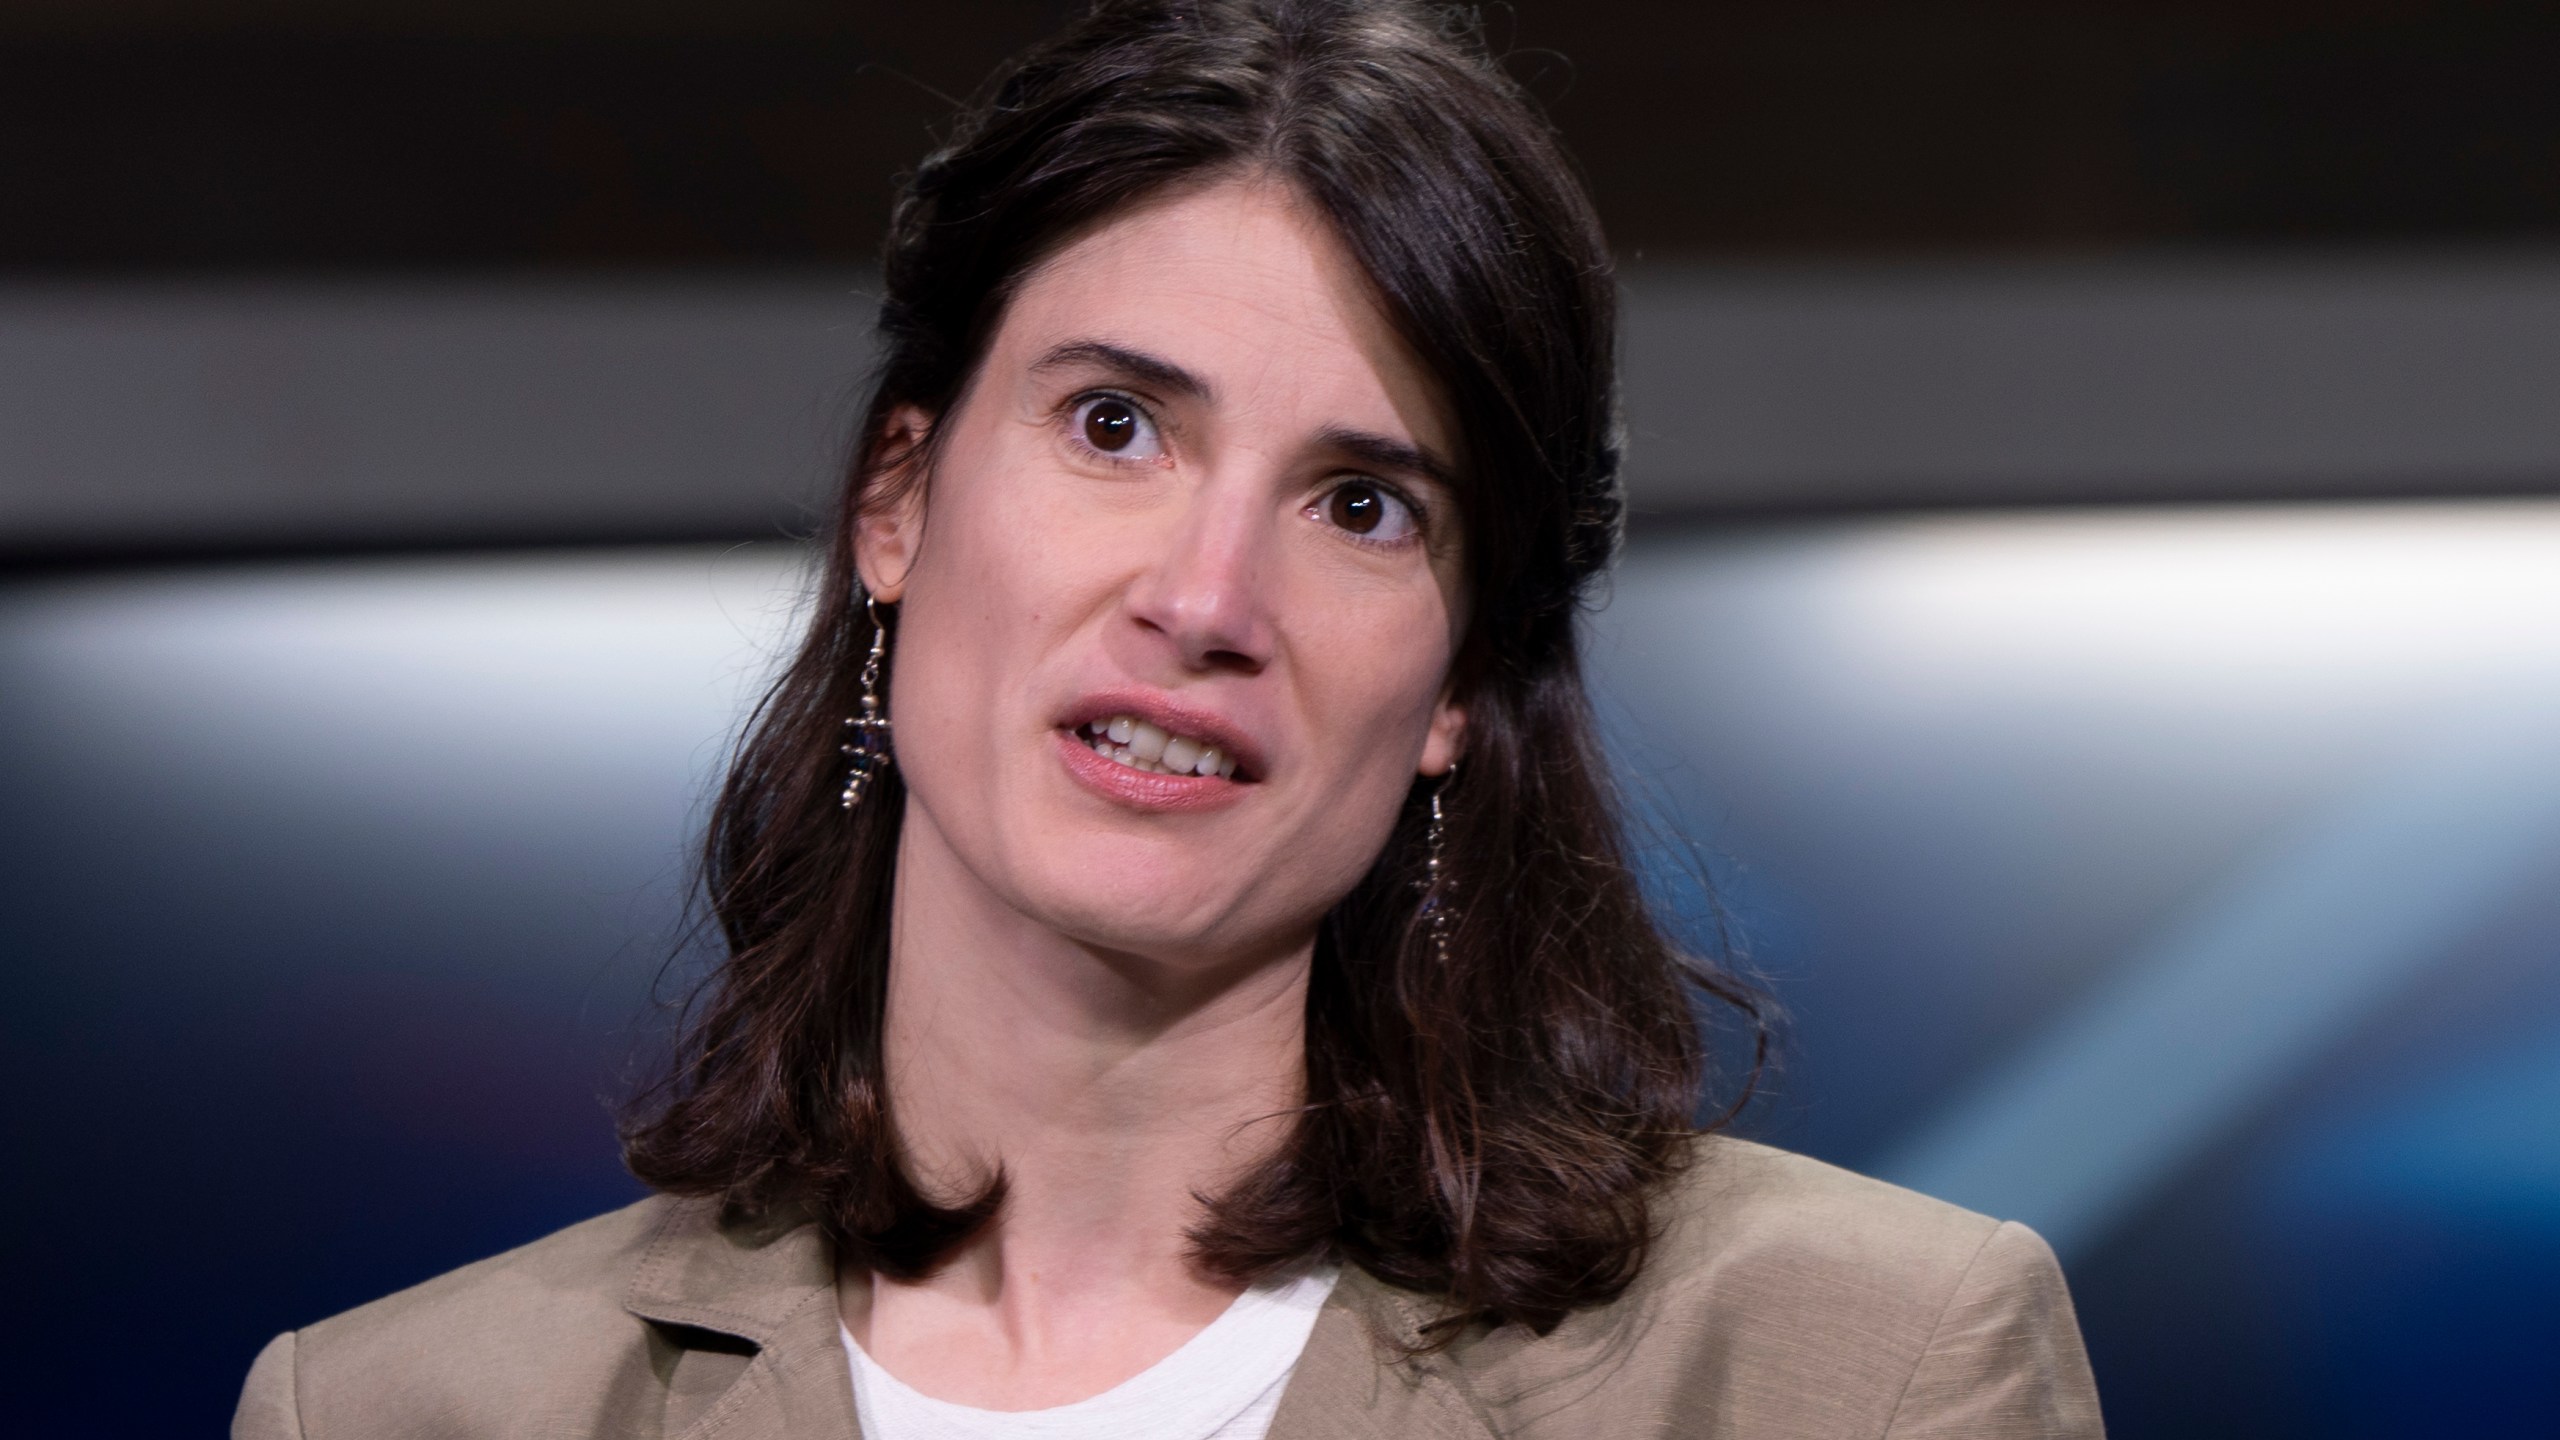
{"x": 952, "y": 637}
{"x": 1350, "y": 811}
{"x": 1008, "y": 538}
{"x": 1379, "y": 672}
{"x": 1007, "y": 566}
{"x": 1381, "y": 645}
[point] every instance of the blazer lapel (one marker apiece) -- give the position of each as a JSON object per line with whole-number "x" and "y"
{"x": 1357, "y": 1381}
{"x": 772, "y": 1286}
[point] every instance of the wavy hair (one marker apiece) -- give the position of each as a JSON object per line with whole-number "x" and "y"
{"x": 1490, "y": 1130}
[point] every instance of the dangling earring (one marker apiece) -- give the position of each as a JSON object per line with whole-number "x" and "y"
{"x": 867, "y": 749}
{"x": 1437, "y": 916}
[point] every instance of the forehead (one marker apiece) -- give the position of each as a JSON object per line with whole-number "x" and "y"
{"x": 1246, "y": 286}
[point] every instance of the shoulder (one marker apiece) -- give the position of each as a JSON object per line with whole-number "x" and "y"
{"x": 571, "y": 1275}
{"x": 1747, "y": 1215}
{"x": 1789, "y": 1297}
{"x": 494, "y": 1337}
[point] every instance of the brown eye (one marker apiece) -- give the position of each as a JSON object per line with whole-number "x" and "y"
{"x": 1369, "y": 510}
{"x": 1358, "y": 508}
{"x": 1109, "y": 425}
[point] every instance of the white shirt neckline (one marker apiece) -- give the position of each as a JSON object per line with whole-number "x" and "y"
{"x": 1221, "y": 1384}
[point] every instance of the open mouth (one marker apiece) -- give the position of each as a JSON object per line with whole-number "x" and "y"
{"x": 1142, "y": 745}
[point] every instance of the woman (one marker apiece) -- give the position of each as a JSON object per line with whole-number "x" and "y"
{"x": 1184, "y": 979}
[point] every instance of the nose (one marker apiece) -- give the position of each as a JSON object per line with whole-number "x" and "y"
{"x": 1203, "y": 593}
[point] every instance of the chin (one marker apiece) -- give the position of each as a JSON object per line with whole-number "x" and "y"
{"x": 1158, "y": 917}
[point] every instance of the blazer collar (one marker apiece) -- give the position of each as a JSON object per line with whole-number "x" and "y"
{"x": 771, "y": 1284}
{"x": 1364, "y": 1377}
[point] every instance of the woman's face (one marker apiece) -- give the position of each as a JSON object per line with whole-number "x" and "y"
{"x": 1190, "y": 516}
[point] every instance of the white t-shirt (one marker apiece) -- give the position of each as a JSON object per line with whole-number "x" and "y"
{"x": 1223, "y": 1384}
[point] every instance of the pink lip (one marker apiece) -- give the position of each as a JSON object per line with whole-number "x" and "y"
{"x": 1142, "y": 789}
{"x": 1174, "y": 718}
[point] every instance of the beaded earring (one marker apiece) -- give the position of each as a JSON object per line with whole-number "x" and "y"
{"x": 867, "y": 747}
{"x": 1435, "y": 911}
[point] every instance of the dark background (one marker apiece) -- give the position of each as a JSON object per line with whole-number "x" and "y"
{"x": 575, "y": 133}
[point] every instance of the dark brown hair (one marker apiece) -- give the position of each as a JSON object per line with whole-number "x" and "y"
{"x": 1488, "y": 1131}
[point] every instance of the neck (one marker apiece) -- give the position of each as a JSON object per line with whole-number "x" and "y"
{"x": 1113, "y": 1091}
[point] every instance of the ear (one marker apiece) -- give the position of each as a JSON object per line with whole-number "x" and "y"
{"x": 1448, "y": 737}
{"x": 890, "y": 529}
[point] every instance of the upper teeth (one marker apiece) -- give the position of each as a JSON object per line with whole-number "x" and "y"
{"x": 1141, "y": 746}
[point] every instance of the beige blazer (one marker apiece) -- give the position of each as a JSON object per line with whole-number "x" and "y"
{"x": 1786, "y": 1299}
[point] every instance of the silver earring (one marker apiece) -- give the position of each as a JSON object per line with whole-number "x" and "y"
{"x": 866, "y": 747}
{"x": 1437, "y": 916}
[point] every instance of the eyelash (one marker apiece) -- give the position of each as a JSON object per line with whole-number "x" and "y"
{"x": 1420, "y": 512}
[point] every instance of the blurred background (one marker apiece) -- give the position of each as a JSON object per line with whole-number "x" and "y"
{"x": 2094, "y": 595}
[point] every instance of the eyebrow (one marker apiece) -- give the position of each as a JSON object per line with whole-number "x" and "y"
{"x": 1379, "y": 452}
{"x": 1155, "y": 371}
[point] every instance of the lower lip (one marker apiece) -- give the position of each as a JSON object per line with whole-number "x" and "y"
{"x": 1142, "y": 789}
